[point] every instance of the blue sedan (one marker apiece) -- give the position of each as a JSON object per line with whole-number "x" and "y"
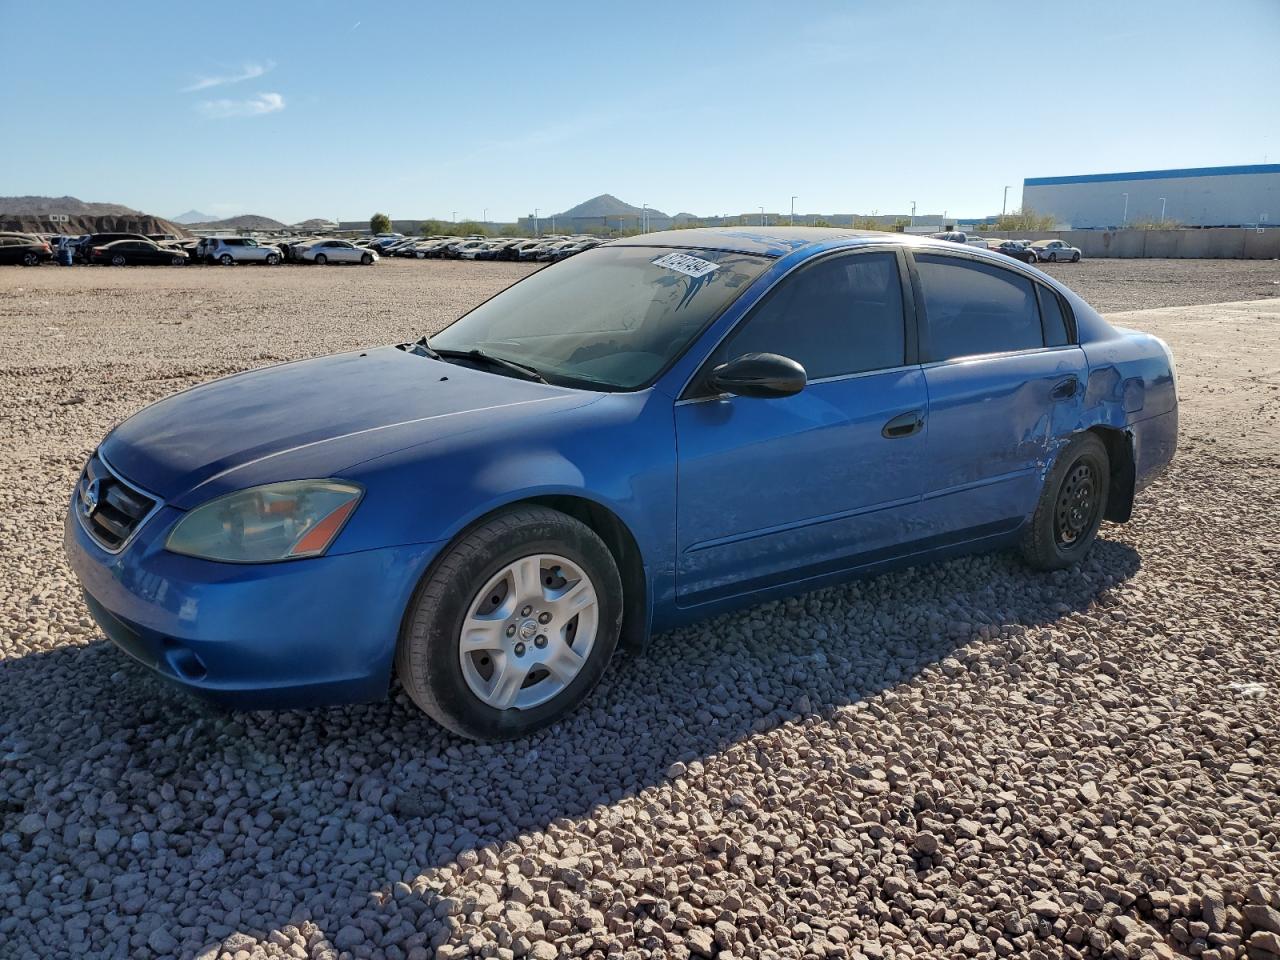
{"x": 659, "y": 429}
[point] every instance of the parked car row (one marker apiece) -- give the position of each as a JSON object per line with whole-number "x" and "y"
{"x": 1028, "y": 251}
{"x": 546, "y": 249}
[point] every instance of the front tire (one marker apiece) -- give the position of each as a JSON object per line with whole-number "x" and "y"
{"x": 1075, "y": 258}
{"x": 30, "y": 260}
{"x": 513, "y": 626}
{"x": 1071, "y": 506}
{"x": 273, "y": 259}
{"x": 177, "y": 261}
{"x": 367, "y": 259}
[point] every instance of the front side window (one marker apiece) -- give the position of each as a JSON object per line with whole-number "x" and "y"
{"x": 842, "y": 315}
{"x": 613, "y": 317}
{"x": 975, "y": 308}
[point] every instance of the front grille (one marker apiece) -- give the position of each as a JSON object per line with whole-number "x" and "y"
{"x": 110, "y": 509}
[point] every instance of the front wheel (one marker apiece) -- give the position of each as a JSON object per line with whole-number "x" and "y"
{"x": 513, "y": 626}
{"x": 177, "y": 261}
{"x": 321, "y": 259}
{"x": 367, "y": 259}
{"x": 1075, "y": 258}
{"x": 1071, "y": 505}
{"x": 273, "y": 259}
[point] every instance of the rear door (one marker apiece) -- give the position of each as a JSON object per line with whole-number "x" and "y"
{"x": 1006, "y": 385}
{"x": 774, "y": 491}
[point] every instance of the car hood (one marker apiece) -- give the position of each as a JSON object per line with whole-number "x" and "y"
{"x": 313, "y": 418}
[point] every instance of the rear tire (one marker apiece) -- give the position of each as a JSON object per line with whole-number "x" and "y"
{"x": 30, "y": 260}
{"x": 118, "y": 260}
{"x": 446, "y": 680}
{"x": 1071, "y": 506}
{"x": 321, "y": 259}
{"x": 226, "y": 260}
{"x": 1053, "y": 258}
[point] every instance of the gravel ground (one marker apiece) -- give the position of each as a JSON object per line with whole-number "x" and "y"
{"x": 967, "y": 759}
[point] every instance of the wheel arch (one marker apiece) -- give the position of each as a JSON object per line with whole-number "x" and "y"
{"x": 1119, "y": 444}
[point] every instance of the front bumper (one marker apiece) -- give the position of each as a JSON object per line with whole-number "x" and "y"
{"x": 302, "y": 633}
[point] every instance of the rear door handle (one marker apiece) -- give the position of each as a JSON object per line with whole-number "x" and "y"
{"x": 1065, "y": 389}
{"x": 903, "y": 425}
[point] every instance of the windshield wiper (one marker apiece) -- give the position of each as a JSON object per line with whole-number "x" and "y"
{"x": 522, "y": 370}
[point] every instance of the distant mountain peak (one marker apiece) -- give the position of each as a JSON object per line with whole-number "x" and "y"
{"x": 607, "y": 205}
{"x": 194, "y": 216}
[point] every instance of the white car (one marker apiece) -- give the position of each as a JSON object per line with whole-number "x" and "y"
{"x": 229, "y": 250}
{"x": 1055, "y": 250}
{"x": 337, "y": 251}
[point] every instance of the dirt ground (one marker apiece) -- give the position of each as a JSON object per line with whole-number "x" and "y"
{"x": 967, "y": 759}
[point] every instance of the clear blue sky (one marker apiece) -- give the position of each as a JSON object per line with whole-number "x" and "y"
{"x": 342, "y": 108}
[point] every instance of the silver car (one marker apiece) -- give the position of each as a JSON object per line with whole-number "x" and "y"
{"x": 337, "y": 251}
{"x": 1055, "y": 250}
{"x": 229, "y": 250}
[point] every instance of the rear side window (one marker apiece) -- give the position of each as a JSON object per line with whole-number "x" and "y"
{"x": 841, "y": 315}
{"x": 1052, "y": 318}
{"x": 973, "y": 308}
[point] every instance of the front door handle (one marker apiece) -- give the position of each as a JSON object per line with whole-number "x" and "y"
{"x": 1065, "y": 389}
{"x": 903, "y": 425}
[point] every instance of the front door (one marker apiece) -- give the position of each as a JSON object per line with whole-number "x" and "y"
{"x": 775, "y": 491}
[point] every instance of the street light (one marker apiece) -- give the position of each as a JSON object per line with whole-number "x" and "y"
{"x": 644, "y": 212}
{"x": 1125, "y": 222}
{"x": 455, "y": 216}
{"x": 485, "y": 218}
{"x": 793, "y": 211}
{"x": 1004, "y": 204}
{"x": 1162, "y": 204}
{"x": 913, "y": 213}
{"x": 762, "y": 223}
{"x": 535, "y": 221}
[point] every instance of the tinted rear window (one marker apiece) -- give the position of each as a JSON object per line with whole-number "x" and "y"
{"x": 974, "y": 308}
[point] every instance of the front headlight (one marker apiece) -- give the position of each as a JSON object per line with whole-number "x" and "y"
{"x": 278, "y": 521}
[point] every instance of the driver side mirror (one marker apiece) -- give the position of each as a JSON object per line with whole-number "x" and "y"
{"x": 759, "y": 375}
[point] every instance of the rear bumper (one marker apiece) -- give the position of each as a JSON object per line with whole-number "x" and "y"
{"x": 252, "y": 636}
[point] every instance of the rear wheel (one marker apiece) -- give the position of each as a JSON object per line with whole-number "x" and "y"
{"x": 321, "y": 259}
{"x": 30, "y": 259}
{"x": 1071, "y": 505}
{"x": 226, "y": 260}
{"x": 1053, "y": 258}
{"x": 513, "y": 626}
{"x": 117, "y": 260}
{"x": 177, "y": 261}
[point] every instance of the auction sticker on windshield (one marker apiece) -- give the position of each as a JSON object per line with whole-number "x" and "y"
{"x": 685, "y": 263}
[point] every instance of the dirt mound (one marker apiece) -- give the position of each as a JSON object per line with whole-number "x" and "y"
{"x": 75, "y": 225}
{"x": 72, "y": 206}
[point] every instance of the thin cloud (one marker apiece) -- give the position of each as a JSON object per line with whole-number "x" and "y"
{"x": 250, "y": 71}
{"x": 255, "y": 106}
{"x": 356, "y": 26}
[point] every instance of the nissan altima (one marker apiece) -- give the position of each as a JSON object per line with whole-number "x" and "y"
{"x": 655, "y": 430}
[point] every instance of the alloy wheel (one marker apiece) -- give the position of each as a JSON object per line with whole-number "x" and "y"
{"x": 529, "y": 632}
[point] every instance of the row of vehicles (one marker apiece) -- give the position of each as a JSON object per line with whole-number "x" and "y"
{"x": 545, "y": 249}
{"x": 1028, "y": 251}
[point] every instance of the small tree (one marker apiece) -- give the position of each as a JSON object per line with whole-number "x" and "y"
{"x": 1023, "y": 220}
{"x": 470, "y": 226}
{"x": 380, "y": 223}
{"x": 431, "y": 228}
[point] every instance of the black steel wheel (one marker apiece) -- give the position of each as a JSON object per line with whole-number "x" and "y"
{"x": 1072, "y": 503}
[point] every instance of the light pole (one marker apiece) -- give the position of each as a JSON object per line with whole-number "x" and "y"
{"x": 913, "y": 213}
{"x": 1125, "y": 223}
{"x": 762, "y": 216}
{"x": 455, "y": 217}
{"x": 1004, "y": 204}
{"x": 644, "y": 212}
{"x": 793, "y": 211}
{"x": 1162, "y": 205}
{"x": 535, "y": 221}
{"x": 485, "y": 218}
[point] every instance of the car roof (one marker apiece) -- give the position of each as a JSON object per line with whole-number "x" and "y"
{"x": 773, "y": 241}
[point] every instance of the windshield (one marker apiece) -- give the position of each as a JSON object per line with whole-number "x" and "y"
{"x": 613, "y": 317}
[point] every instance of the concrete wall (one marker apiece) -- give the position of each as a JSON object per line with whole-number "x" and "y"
{"x": 1225, "y": 243}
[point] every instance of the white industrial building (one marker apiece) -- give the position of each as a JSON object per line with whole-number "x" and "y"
{"x": 1244, "y": 196}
